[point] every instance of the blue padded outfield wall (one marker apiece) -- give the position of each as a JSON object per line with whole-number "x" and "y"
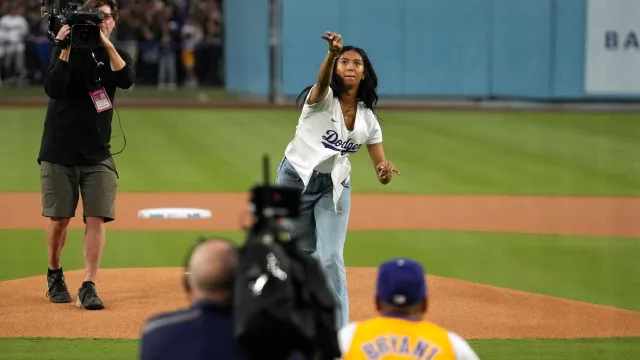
{"x": 438, "y": 48}
{"x": 246, "y": 41}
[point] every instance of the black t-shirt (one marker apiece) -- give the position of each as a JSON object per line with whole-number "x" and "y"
{"x": 74, "y": 132}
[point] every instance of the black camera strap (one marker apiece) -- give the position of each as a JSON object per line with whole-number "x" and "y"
{"x": 96, "y": 70}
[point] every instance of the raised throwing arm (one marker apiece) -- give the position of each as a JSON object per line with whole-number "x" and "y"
{"x": 319, "y": 91}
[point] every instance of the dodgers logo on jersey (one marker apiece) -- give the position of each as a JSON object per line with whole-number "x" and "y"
{"x": 332, "y": 141}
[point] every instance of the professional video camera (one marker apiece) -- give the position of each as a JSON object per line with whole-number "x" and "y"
{"x": 85, "y": 33}
{"x": 270, "y": 203}
{"x": 282, "y": 302}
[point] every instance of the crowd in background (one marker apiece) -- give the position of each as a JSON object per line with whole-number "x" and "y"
{"x": 173, "y": 42}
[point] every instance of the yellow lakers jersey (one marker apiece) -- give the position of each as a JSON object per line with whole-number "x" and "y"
{"x": 388, "y": 338}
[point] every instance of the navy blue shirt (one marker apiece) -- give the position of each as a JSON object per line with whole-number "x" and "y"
{"x": 203, "y": 331}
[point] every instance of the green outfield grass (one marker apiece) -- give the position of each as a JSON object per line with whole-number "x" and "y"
{"x": 592, "y": 269}
{"x": 520, "y": 349}
{"x": 437, "y": 152}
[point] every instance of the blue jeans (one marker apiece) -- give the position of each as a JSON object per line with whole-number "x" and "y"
{"x": 320, "y": 230}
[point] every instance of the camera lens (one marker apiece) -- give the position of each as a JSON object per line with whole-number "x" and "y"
{"x": 83, "y": 36}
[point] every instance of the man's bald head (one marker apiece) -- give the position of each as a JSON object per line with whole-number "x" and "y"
{"x": 212, "y": 266}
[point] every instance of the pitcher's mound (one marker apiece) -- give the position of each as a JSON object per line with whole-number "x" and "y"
{"x": 132, "y": 295}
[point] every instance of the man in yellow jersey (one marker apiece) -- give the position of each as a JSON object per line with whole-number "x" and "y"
{"x": 399, "y": 332}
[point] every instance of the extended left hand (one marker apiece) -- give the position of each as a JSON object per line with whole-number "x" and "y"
{"x": 385, "y": 170}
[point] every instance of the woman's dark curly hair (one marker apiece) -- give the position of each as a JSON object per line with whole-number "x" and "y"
{"x": 366, "y": 89}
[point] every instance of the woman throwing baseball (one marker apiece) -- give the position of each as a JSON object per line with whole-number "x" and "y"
{"x": 337, "y": 118}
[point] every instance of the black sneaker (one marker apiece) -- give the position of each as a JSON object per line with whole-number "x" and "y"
{"x": 88, "y": 297}
{"x": 57, "y": 292}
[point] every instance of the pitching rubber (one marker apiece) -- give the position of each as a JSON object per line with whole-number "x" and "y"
{"x": 174, "y": 213}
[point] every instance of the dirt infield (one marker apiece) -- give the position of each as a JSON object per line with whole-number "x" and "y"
{"x": 603, "y": 216}
{"x": 473, "y": 310}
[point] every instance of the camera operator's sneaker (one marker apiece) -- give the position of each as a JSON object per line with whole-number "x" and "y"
{"x": 88, "y": 297}
{"x": 57, "y": 288}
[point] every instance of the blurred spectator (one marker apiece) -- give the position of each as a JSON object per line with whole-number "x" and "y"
{"x": 192, "y": 36}
{"x": 14, "y": 29}
{"x": 126, "y": 34}
{"x": 173, "y": 42}
{"x": 212, "y": 51}
{"x": 167, "y": 32}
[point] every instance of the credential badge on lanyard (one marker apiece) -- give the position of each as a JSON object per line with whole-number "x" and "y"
{"x": 99, "y": 97}
{"x": 101, "y": 100}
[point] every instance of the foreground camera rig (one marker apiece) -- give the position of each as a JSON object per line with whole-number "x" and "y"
{"x": 85, "y": 33}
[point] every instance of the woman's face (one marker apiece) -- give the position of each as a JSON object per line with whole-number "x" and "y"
{"x": 350, "y": 68}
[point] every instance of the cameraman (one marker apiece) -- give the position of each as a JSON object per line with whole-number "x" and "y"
{"x": 75, "y": 153}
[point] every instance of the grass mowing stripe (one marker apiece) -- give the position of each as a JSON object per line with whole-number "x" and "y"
{"x": 465, "y": 175}
{"x": 19, "y": 137}
{"x": 539, "y": 146}
{"x": 553, "y": 137}
{"x": 179, "y": 162}
{"x": 480, "y": 151}
{"x": 475, "y": 167}
{"x": 603, "y": 125}
{"x": 200, "y": 151}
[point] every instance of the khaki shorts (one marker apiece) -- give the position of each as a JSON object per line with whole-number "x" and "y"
{"x": 61, "y": 187}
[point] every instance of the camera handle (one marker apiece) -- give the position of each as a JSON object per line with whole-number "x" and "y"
{"x": 264, "y": 219}
{"x": 62, "y": 44}
{"x": 267, "y": 222}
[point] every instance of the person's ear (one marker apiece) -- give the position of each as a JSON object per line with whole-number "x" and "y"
{"x": 185, "y": 281}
